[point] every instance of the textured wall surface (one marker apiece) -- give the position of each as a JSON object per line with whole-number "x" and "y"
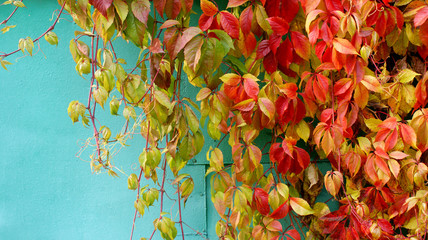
{"x": 46, "y": 192}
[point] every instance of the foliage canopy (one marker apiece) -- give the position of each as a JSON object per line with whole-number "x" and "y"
{"x": 343, "y": 80}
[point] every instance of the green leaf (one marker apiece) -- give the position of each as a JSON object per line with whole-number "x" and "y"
{"x": 192, "y": 120}
{"x": 121, "y": 8}
{"x": 179, "y": 178}
{"x": 163, "y": 99}
{"x": 129, "y": 112}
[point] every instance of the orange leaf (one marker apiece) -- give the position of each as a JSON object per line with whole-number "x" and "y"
{"x": 208, "y": 8}
{"x": 301, "y": 45}
{"x": 344, "y": 46}
{"x": 246, "y": 105}
{"x": 267, "y": 107}
{"x": 235, "y": 3}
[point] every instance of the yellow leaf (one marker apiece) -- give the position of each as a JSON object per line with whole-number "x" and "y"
{"x": 303, "y": 130}
{"x": 300, "y": 206}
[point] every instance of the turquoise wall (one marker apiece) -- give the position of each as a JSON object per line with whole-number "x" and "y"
{"x": 46, "y": 192}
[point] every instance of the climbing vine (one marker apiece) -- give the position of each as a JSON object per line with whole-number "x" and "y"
{"x": 282, "y": 85}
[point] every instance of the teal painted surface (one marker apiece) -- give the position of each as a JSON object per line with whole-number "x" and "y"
{"x": 46, "y": 192}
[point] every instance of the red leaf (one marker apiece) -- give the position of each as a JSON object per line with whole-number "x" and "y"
{"x": 208, "y": 8}
{"x": 399, "y": 17}
{"x": 272, "y": 8}
{"x": 245, "y": 20}
{"x": 261, "y": 198}
{"x": 276, "y": 153}
{"x": 279, "y": 25}
{"x": 333, "y": 5}
{"x": 101, "y": 5}
{"x": 294, "y": 234}
{"x": 235, "y": 3}
{"x": 423, "y": 33}
{"x": 250, "y": 43}
{"x": 274, "y": 42}
{"x": 205, "y": 21}
{"x": 230, "y": 24}
{"x": 301, "y": 45}
{"x": 281, "y": 211}
{"x": 381, "y": 24}
{"x": 421, "y": 17}
{"x": 289, "y": 9}
{"x": 263, "y": 49}
{"x": 285, "y": 53}
{"x": 172, "y": 8}
{"x": 160, "y": 6}
{"x": 270, "y": 63}
{"x": 303, "y": 157}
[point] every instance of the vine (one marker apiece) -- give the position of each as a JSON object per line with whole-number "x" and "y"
{"x": 288, "y": 84}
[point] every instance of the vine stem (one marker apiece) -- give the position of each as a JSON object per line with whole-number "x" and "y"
{"x": 179, "y": 210}
{"x": 139, "y": 180}
{"x": 43, "y": 34}
{"x": 10, "y": 16}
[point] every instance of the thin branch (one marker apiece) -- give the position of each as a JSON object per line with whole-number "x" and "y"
{"x": 37, "y": 39}
{"x": 10, "y": 16}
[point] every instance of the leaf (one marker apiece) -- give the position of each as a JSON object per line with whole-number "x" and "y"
{"x": 121, "y": 8}
{"x": 246, "y": 105}
{"x": 394, "y": 166}
{"x": 406, "y": 75}
{"x": 261, "y": 198}
{"x": 245, "y": 20}
{"x": 281, "y": 211}
{"x": 192, "y": 120}
{"x": 192, "y": 52}
{"x": 421, "y": 17}
{"x": 267, "y": 107}
{"x": 303, "y": 130}
{"x": 235, "y": 3}
{"x": 4, "y": 63}
{"x": 333, "y": 181}
{"x": 169, "y": 23}
{"x": 203, "y": 93}
{"x": 230, "y": 24}
{"x": 294, "y": 234}
{"x": 162, "y": 98}
{"x": 344, "y": 46}
{"x": 231, "y": 79}
{"x": 373, "y": 124}
{"x": 408, "y": 135}
{"x": 279, "y": 25}
{"x": 301, "y": 45}
{"x": 141, "y": 10}
{"x": 101, "y": 5}
{"x": 300, "y": 206}
{"x": 208, "y": 8}
{"x": 274, "y": 226}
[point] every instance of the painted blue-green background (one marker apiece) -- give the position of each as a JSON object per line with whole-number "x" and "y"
{"x": 46, "y": 192}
